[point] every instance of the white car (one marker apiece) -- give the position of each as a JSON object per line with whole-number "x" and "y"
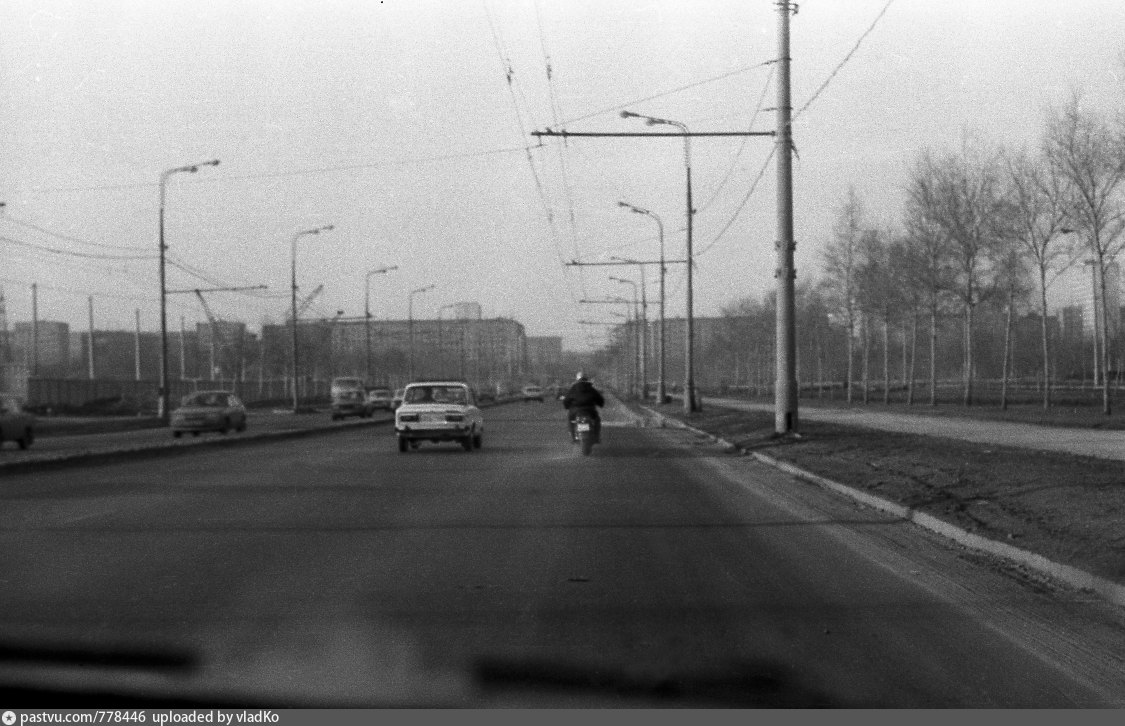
{"x": 438, "y": 411}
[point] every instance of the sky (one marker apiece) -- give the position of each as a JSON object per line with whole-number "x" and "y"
{"x": 408, "y": 126}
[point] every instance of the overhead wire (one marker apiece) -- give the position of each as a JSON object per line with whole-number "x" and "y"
{"x": 662, "y": 94}
{"x": 806, "y": 105}
{"x": 509, "y": 73}
{"x": 844, "y": 62}
{"x": 68, "y": 238}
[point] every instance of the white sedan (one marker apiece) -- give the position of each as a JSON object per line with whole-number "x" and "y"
{"x": 438, "y": 411}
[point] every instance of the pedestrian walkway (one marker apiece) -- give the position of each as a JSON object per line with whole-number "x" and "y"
{"x": 1084, "y": 442}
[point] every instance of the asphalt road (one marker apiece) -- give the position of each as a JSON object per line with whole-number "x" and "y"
{"x": 660, "y": 571}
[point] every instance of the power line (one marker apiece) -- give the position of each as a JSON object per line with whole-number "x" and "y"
{"x": 737, "y": 156}
{"x": 69, "y": 253}
{"x": 68, "y": 238}
{"x": 845, "y": 60}
{"x": 662, "y": 94}
{"x": 216, "y": 179}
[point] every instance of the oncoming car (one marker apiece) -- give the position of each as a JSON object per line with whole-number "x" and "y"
{"x": 532, "y": 393}
{"x": 438, "y": 411}
{"x": 208, "y": 411}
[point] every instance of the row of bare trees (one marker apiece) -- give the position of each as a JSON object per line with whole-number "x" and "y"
{"x": 986, "y": 224}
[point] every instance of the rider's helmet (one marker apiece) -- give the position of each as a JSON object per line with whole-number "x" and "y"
{"x": 581, "y": 376}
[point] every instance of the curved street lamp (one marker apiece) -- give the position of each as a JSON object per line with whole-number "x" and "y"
{"x": 410, "y": 324}
{"x": 163, "y": 410}
{"x": 689, "y": 356}
{"x": 367, "y": 317}
{"x": 293, "y": 296}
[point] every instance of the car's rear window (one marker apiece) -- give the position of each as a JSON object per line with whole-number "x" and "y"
{"x": 205, "y": 399}
{"x": 436, "y": 394}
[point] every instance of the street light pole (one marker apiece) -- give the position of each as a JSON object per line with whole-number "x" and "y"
{"x": 410, "y": 325}
{"x": 163, "y": 409}
{"x": 293, "y": 299}
{"x": 689, "y": 335}
{"x": 644, "y": 325}
{"x": 440, "y": 343}
{"x": 661, "y": 391}
{"x": 367, "y": 317}
{"x": 639, "y": 336}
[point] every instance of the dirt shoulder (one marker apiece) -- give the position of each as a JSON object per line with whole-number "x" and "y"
{"x": 1068, "y": 508}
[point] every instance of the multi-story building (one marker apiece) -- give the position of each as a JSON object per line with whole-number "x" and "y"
{"x": 49, "y": 354}
{"x": 490, "y": 351}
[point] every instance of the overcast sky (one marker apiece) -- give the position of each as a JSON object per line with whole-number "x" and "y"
{"x": 395, "y": 122}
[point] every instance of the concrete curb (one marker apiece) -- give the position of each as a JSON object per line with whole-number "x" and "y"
{"x": 1107, "y": 589}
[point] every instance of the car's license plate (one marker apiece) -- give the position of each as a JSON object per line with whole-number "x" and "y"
{"x": 583, "y": 427}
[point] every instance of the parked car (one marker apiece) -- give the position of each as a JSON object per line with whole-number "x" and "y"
{"x": 350, "y": 402}
{"x": 532, "y": 393}
{"x": 208, "y": 411}
{"x": 438, "y": 411}
{"x": 396, "y": 400}
{"x": 381, "y": 399}
{"x": 15, "y": 423}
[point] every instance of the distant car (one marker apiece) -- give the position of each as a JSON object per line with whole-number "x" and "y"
{"x": 208, "y": 411}
{"x": 15, "y": 423}
{"x": 350, "y": 402}
{"x": 381, "y": 399}
{"x": 438, "y": 411}
{"x": 396, "y": 400}
{"x": 532, "y": 393}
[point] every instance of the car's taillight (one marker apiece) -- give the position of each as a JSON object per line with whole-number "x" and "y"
{"x": 454, "y": 417}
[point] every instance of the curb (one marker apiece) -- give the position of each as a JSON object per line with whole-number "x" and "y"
{"x": 1111, "y": 591}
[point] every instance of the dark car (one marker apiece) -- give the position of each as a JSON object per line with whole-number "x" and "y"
{"x": 208, "y": 411}
{"x": 15, "y": 423}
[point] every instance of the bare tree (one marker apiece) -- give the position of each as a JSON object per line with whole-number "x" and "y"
{"x": 965, "y": 207}
{"x": 1039, "y": 213}
{"x": 1088, "y": 151}
{"x": 841, "y": 262}
{"x": 906, "y": 273}
{"x": 931, "y": 250}
{"x": 878, "y": 297}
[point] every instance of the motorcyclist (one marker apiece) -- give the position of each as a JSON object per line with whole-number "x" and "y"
{"x": 583, "y": 398}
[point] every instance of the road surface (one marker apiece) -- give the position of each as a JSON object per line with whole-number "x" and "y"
{"x": 660, "y": 571}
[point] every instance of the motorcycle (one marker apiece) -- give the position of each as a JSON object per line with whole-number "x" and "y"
{"x": 584, "y": 429}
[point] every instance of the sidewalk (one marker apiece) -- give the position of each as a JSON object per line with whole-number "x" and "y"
{"x": 1084, "y": 442}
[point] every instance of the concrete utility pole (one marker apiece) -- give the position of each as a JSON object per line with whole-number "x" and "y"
{"x": 785, "y": 391}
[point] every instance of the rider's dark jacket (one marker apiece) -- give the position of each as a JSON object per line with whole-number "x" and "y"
{"x": 583, "y": 397}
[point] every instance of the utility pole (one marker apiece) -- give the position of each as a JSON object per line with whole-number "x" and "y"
{"x": 785, "y": 391}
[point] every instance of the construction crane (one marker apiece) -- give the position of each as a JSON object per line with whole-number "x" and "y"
{"x": 212, "y": 321}
{"x": 304, "y": 305}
